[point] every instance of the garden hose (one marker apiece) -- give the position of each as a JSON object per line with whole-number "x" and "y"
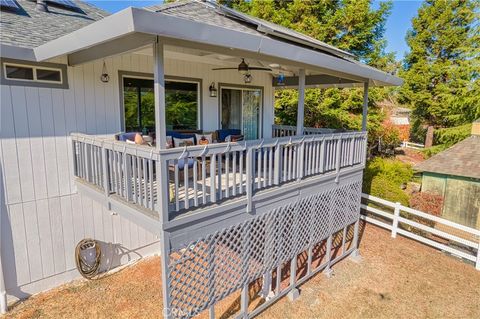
{"x": 88, "y": 269}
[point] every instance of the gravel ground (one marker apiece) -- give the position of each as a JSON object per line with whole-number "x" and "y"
{"x": 397, "y": 278}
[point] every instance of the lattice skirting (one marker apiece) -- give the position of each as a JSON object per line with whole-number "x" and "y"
{"x": 211, "y": 268}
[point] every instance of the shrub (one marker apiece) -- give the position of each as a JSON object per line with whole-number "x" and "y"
{"x": 445, "y": 137}
{"x": 427, "y": 202}
{"x": 385, "y": 177}
{"x": 451, "y": 135}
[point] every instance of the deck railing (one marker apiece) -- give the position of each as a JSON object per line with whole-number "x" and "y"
{"x": 202, "y": 175}
{"x": 288, "y": 130}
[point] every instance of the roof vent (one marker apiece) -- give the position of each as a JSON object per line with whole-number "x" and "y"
{"x": 41, "y": 6}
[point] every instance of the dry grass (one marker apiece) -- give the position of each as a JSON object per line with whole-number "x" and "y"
{"x": 398, "y": 278}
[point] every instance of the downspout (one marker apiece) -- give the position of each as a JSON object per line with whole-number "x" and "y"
{"x": 3, "y": 293}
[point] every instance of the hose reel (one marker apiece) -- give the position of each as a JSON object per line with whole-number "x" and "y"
{"x": 87, "y": 257}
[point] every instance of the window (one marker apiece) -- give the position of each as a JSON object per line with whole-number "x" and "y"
{"x": 182, "y": 100}
{"x": 19, "y": 72}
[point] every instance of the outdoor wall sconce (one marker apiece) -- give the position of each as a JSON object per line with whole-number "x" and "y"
{"x": 247, "y": 78}
{"x": 213, "y": 90}
{"x": 281, "y": 79}
{"x": 104, "y": 77}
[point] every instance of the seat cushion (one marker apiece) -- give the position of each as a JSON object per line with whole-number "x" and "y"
{"x": 123, "y": 137}
{"x": 222, "y": 134}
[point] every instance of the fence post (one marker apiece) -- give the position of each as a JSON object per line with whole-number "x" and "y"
{"x": 396, "y": 214}
{"x": 477, "y": 264}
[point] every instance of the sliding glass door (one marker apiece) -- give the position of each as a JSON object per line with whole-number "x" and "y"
{"x": 240, "y": 109}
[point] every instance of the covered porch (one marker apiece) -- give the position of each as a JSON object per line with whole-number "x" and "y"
{"x": 227, "y": 212}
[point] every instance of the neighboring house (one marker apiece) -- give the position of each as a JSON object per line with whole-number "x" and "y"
{"x": 455, "y": 175}
{"x": 73, "y": 77}
{"x": 400, "y": 118}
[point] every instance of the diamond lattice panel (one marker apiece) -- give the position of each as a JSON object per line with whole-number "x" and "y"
{"x": 211, "y": 268}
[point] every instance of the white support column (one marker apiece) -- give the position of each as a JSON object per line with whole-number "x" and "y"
{"x": 365, "y": 106}
{"x": 301, "y": 102}
{"x": 161, "y": 168}
{"x": 159, "y": 94}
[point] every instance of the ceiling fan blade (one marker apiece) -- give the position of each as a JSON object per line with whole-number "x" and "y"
{"x": 216, "y": 69}
{"x": 259, "y": 68}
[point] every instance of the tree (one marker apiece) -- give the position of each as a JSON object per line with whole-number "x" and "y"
{"x": 347, "y": 24}
{"x": 442, "y": 69}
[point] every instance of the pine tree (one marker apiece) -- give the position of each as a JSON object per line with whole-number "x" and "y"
{"x": 442, "y": 69}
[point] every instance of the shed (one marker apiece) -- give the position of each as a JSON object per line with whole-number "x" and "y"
{"x": 455, "y": 175}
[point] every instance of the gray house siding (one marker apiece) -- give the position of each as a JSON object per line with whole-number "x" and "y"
{"x": 42, "y": 214}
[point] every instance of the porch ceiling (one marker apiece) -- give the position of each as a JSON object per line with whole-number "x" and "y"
{"x": 133, "y": 29}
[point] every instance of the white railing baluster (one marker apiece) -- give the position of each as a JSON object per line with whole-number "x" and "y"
{"x": 213, "y": 177}
{"x": 241, "y": 172}
{"x": 186, "y": 199}
{"x": 227, "y": 174}
{"x": 234, "y": 172}
{"x": 176, "y": 186}
{"x": 204, "y": 180}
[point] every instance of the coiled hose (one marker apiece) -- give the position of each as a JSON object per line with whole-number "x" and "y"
{"x": 88, "y": 269}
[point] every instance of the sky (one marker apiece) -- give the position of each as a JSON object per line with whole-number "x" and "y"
{"x": 396, "y": 28}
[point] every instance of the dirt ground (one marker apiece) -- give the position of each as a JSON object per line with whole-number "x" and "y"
{"x": 409, "y": 156}
{"x": 397, "y": 278}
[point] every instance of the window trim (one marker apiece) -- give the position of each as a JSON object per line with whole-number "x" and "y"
{"x": 62, "y": 68}
{"x": 150, "y": 76}
{"x": 34, "y": 69}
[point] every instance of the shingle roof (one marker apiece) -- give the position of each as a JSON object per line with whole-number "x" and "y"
{"x": 214, "y": 14}
{"x": 201, "y": 12}
{"x": 462, "y": 159}
{"x": 29, "y": 28}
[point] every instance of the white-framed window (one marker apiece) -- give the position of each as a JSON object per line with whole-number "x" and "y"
{"x": 25, "y": 72}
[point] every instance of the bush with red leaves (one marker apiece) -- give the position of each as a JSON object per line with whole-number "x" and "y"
{"x": 427, "y": 202}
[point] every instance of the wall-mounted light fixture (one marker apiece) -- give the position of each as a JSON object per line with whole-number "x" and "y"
{"x": 213, "y": 90}
{"x": 104, "y": 77}
{"x": 247, "y": 78}
{"x": 280, "y": 79}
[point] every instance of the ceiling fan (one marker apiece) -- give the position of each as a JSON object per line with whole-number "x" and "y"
{"x": 244, "y": 69}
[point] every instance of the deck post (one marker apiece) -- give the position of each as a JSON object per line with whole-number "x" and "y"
{"x": 477, "y": 264}
{"x": 161, "y": 169}
{"x": 365, "y": 107}
{"x": 301, "y": 102}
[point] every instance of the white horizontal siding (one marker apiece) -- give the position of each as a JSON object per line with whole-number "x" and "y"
{"x": 42, "y": 215}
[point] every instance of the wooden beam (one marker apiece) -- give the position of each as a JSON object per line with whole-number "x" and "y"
{"x": 365, "y": 107}
{"x": 159, "y": 93}
{"x": 301, "y": 102}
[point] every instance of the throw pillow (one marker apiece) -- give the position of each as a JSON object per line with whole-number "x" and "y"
{"x": 203, "y": 139}
{"x": 180, "y": 142}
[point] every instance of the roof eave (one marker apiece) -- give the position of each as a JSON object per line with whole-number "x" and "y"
{"x": 186, "y": 32}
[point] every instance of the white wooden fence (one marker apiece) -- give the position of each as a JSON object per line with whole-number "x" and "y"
{"x": 456, "y": 239}
{"x": 414, "y": 146}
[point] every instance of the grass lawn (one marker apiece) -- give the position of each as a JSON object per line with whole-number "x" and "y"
{"x": 397, "y": 278}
